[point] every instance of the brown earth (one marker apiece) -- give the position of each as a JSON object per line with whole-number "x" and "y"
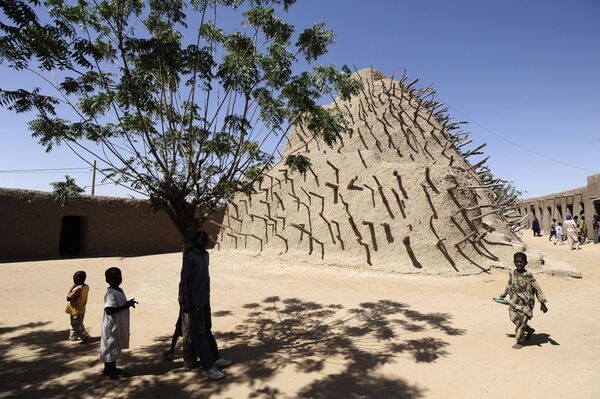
{"x": 296, "y": 330}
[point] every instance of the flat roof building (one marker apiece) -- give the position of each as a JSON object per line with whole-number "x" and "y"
{"x": 578, "y": 201}
{"x": 33, "y": 226}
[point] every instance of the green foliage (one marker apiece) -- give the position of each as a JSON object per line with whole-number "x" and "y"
{"x": 509, "y": 191}
{"x": 313, "y": 42}
{"x": 171, "y": 104}
{"x": 327, "y": 124}
{"x": 503, "y": 191}
{"x": 65, "y": 191}
{"x": 298, "y": 162}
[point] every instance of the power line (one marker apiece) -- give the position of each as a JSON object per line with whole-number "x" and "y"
{"x": 45, "y": 173}
{"x": 48, "y": 170}
{"x": 474, "y": 122}
{"x": 101, "y": 184}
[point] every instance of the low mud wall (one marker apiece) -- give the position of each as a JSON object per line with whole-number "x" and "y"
{"x": 33, "y": 226}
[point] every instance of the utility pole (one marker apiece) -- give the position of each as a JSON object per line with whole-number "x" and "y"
{"x": 94, "y": 178}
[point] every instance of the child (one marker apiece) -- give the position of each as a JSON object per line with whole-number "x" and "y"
{"x": 522, "y": 289}
{"x": 115, "y": 324}
{"x": 583, "y": 233}
{"x": 559, "y": 234}
{"x": 77, "y": 299}
{"x": 552, "y": 229}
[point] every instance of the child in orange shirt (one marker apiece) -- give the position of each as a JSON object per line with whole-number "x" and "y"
{"x": 77, "y": 299}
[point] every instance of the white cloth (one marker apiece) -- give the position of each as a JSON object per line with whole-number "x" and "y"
{"x": 115, "y": 327}
{"x": 571, "y": 227}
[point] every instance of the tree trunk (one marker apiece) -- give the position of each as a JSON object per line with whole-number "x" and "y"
{"x": 188, "y": 238}
{"x": 183, "y": 219}
{"x": 186, "y": 224}
{"x": 189, "y": 354}
{"x": 190, "y": 357}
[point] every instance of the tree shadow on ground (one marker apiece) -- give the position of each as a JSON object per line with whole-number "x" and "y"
{"x": 341, "y": 348}
{"x": 43, "y": 371}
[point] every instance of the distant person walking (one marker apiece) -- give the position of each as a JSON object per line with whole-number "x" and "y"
{"x": 572, "y": 232}
{"x": 596, "y": 227}
{"x": 552, "y": 229}
{"x": 535, "y": 226}
{"x": 560, "y": 234}
{"x": 77, "y": 301}
{"x": 583, "y": 232}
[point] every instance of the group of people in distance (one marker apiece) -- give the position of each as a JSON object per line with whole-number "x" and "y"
{"x": 573, "y": 229}
{"x": 194, "y": 322}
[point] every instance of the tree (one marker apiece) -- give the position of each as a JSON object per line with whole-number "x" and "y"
{"x": 65, "y": 191}
{"x": 185, "y": 115}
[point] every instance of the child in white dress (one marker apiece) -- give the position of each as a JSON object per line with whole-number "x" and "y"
{"x": 115, "y": 324}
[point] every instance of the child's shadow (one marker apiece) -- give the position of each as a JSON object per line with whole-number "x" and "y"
{"x": 541, "y": 339}
{"x": 538, "y": 339}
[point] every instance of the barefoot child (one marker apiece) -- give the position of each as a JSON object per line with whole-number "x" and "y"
{"x": 522, "y": 289}
{"x": 115, "y": 324}
{"x": 77, "y": 299}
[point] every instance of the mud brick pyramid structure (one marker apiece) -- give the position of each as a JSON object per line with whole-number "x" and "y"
{"x": 396, "y": 193}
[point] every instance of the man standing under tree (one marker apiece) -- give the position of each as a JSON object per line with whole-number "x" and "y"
{"x": 194, "y": 299}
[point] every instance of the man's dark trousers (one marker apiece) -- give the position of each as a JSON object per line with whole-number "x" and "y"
{"x": 197, "y": 332}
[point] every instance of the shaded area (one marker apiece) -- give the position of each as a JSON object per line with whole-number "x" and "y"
{"x": 43, "y": 372}
{"x": 342, "y": 348}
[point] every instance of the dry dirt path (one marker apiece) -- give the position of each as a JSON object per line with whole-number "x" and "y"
{"x": 296, "y": 330}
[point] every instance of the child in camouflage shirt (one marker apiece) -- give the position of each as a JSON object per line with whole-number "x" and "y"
{"x": 522, "y": 288}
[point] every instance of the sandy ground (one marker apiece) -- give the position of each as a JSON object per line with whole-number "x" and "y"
{"x": 296, "y": 330}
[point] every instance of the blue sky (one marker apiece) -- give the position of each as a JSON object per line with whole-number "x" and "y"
{"x": 524, "y": 74}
